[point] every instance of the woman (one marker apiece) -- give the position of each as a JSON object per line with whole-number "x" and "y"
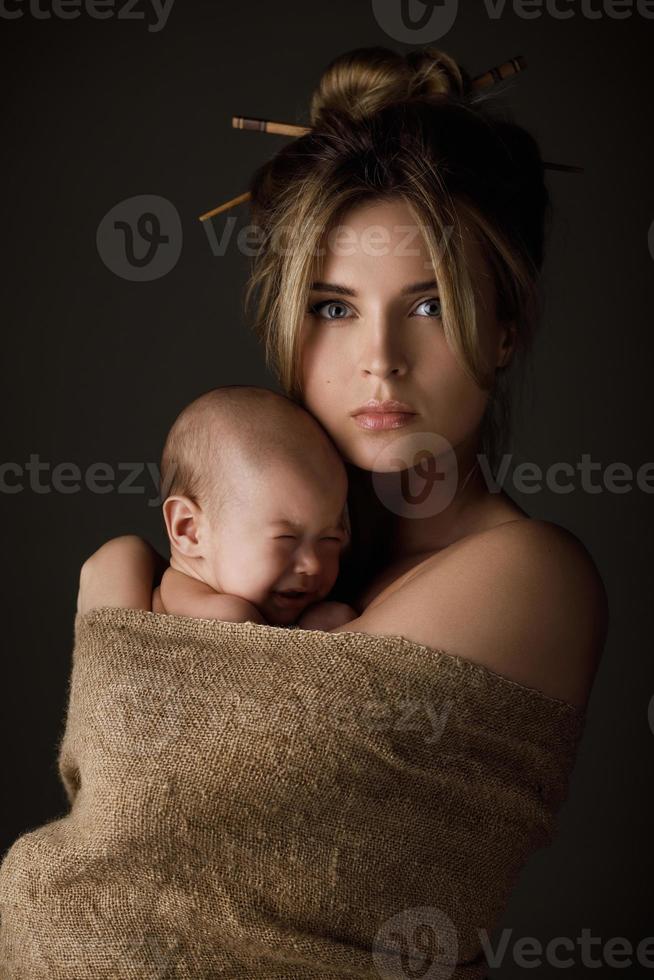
{"x": 416, "y": 222}
{"x": 255, "y": 802}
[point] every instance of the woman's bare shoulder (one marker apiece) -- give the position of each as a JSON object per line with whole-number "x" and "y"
{"x": 523, "y": 598}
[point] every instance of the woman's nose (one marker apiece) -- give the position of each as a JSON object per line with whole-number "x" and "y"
{"x": 383, "y": 353}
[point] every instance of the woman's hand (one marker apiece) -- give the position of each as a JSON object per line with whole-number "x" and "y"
{"x": 121, "y": 573}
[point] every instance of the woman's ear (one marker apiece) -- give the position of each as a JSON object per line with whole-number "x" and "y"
{"x": 183, "y": 523}
{"x": 506, "y": 344}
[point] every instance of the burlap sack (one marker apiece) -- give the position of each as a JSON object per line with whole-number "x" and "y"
{"x": 251, "y": 801}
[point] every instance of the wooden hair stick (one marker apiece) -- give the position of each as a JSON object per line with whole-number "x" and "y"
{"x": 496, "y": 75}
{"x": 241, "y": 199}
{"x": 268, "y": 126}
{"x": 489, "y": 78}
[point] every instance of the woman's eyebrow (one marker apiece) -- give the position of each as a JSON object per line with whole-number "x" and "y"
{"x": 419, "y": 287}
{"x": 332, "y": 287}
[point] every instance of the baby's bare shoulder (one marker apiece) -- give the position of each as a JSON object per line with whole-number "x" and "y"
{"x": 179, "y": 593}
{"x": 184, "y": 595}
{"x": 174, "y": 581}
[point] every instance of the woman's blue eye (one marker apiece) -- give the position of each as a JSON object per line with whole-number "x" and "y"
{"x": 333, "y": 306}
{"x": 317, "y": 308}
{"x": 434, "y": 301}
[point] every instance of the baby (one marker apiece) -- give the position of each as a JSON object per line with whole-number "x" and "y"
{"x": 255, "y": 511}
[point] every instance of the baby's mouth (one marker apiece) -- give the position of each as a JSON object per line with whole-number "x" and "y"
{"x": 292, "y": 595}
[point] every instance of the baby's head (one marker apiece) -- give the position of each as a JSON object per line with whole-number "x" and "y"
{"x": 255, "y": 499}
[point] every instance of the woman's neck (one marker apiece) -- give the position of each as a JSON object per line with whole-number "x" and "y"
{"x": 420, "y": 510}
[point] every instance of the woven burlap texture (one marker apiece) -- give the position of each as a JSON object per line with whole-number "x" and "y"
{"x": 250, "y": 801}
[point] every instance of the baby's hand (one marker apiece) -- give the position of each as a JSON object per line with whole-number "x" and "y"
{"x": 326, "y": 616}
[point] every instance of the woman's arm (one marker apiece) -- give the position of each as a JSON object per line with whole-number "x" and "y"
{"x": 121, "y": 573}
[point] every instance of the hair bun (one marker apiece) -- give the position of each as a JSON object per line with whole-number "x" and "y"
{"x": 365, "y": 80}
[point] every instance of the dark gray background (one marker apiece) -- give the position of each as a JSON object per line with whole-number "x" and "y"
{"x": 96, "y": 367}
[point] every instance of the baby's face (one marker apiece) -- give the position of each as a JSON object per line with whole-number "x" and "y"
{"x": 284, "y": 531}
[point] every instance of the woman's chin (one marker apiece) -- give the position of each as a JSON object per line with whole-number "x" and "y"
{"x": 385, "y": 455}
{"x": 396, "y": 450}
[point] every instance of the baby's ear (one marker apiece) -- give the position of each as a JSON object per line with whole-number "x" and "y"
{"x": 182, "y": 517}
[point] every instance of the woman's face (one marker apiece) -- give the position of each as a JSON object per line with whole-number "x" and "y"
{"x": 374, "y": 331}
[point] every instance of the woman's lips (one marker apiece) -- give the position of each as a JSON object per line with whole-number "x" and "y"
{"x": 383, "y": 420}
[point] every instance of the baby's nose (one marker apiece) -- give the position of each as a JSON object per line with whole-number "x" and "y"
{"x": 307, "y": 561}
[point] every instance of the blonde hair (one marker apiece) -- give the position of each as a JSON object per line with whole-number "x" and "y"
{"x": 387, "y": 125}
